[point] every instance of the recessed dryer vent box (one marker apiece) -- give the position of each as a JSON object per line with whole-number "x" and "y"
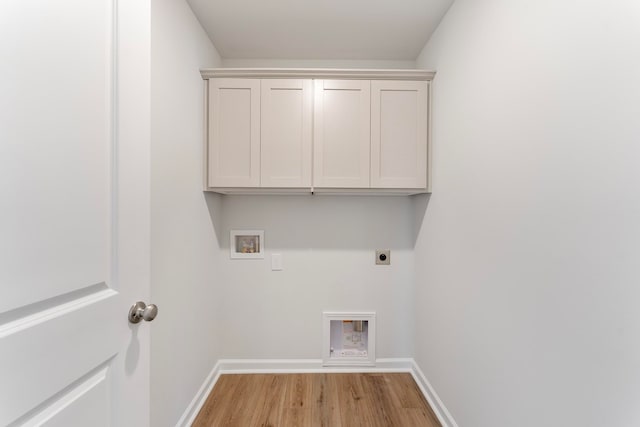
{"x": 349, "y": 339}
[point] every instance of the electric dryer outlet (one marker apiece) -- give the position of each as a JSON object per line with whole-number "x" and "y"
{"x": 383, "y": 257}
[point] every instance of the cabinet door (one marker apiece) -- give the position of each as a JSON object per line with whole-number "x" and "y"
{"x": 399, "y": 118}
{"x": 342, "y": 120}
{"x": 234, "y": 133}
{"x": 285, "y": 133}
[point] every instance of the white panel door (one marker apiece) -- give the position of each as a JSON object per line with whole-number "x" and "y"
{"x": 399, "y": 118}
{"x": 234, "y": 133}
{"x": 342, "y": 120}
{"x": 286, "y": 132}
{"x": 74, "y": 151}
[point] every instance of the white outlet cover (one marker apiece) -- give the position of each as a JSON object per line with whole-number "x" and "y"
{"x": 276, "y": 262}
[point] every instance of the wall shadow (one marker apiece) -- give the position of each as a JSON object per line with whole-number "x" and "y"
{"x": 420, "y": 205}
{"x": 317, "y": 221}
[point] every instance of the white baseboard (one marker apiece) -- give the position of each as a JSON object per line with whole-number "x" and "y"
{"x": 294, "y": 366}
{"x": 430, "y": 394}
{"x": 194, "y": 407}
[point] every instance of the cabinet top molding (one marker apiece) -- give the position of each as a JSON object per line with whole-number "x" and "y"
{"x": 317, "y": 73}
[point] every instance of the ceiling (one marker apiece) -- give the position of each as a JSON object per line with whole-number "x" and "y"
{"x": 320, "y": 29}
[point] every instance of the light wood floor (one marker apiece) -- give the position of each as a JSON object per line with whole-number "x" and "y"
{"x": 316, "y": 400}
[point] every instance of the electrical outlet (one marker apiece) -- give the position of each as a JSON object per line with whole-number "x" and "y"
{"x": 276, "y": 262}
{"x": 383, "y": 257}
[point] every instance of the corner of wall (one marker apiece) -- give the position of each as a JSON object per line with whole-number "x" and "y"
{"x": 185, "y": 222}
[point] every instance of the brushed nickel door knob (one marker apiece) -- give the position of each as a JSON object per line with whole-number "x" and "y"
{"x": 140, "y": 311}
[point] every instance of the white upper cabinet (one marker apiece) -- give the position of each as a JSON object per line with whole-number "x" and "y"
{"x": 234, "y": 133}
{"x": 399, "y": 117}
{"x": 342, "y": 125}
{"x": 286, "y": 133}
{"x": 323, "y": 130}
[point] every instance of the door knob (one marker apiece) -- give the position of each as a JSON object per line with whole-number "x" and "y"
{"x": 141, "y": 311}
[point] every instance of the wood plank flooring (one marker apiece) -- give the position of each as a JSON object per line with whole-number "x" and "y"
{"x": 316, "y": 400}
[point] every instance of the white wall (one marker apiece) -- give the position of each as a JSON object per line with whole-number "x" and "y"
{"x": 527, "y": 256}
{"x": 184, "y": 248}
{"x": 328, "y": 246}
{"x": 316, "y": 63}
